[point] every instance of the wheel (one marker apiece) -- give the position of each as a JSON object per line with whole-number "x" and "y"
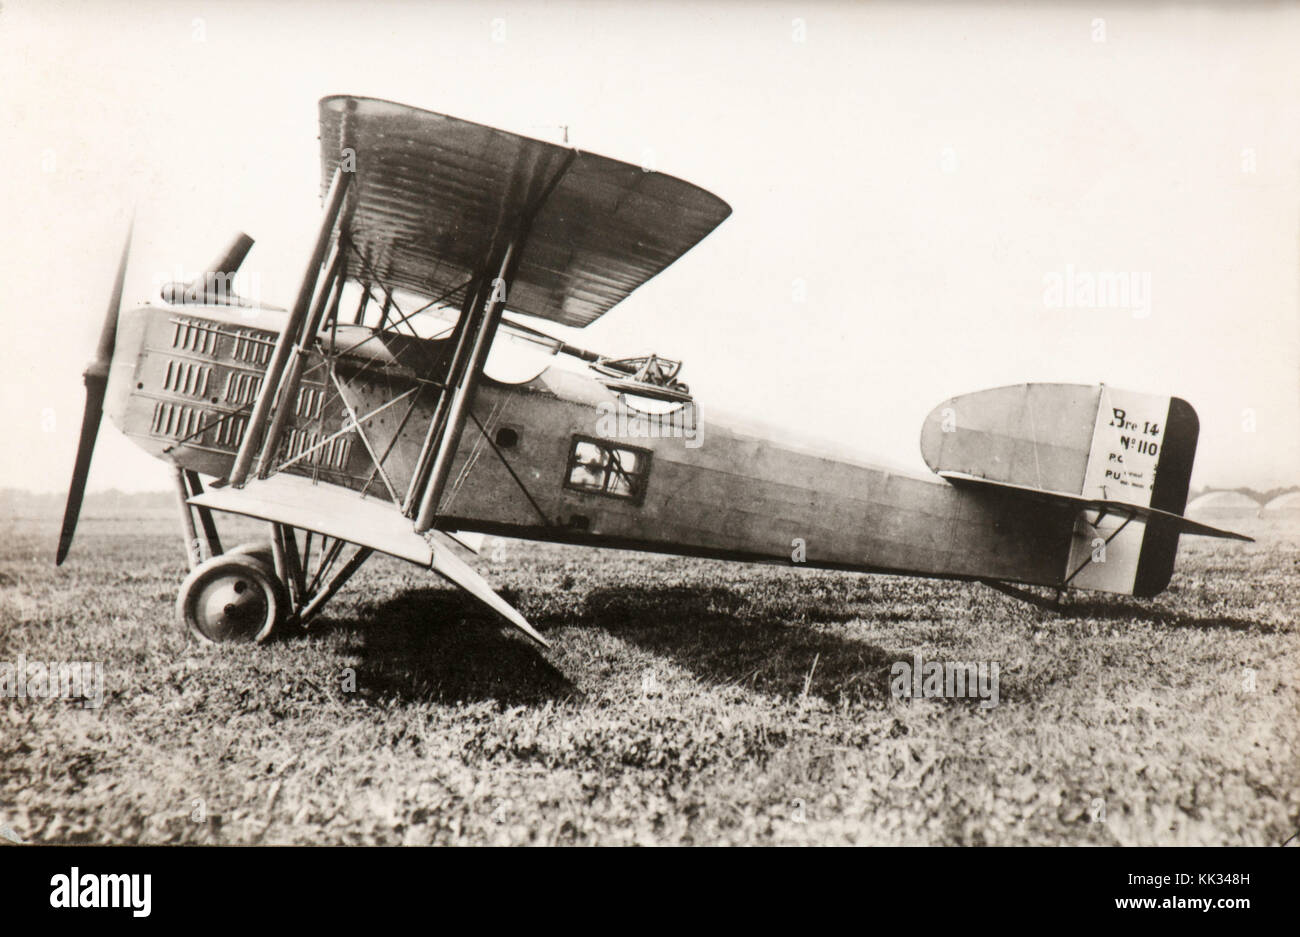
{"x": 259, "y": 550}
{"x": 231, "y": 598}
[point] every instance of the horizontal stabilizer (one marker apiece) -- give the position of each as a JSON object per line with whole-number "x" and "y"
{"x": 1121, "y": 459}
{"x": 1121, "y": 508}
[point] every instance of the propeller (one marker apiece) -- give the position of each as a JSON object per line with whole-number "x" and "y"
{"x": 96, "y": 378}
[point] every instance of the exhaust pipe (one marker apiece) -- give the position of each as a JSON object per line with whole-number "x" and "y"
{"x": 214, "y": 287}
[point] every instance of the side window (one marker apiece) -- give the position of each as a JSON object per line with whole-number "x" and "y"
{"x": 602, "y": 468}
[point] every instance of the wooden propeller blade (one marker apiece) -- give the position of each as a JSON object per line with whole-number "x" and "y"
{"x": 96, "y": 378}
{"x": 85, "y": 449}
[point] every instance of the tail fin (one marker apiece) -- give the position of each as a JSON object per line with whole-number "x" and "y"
{"x": 1142, "y": 451}
{"x": 1123, "y": 459}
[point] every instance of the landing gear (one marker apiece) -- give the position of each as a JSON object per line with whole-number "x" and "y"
{"x": 233, "y": 597}
{"x": 260, "y": 550}
{"x": 244, "y": 594}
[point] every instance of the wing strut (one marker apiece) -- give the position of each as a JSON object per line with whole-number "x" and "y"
{"x": 293, "y": 331}
{"x": 287, "y": 397}
{"x": 462, "y": 391}
{"x": 460, "y": 388}
{"x": 460, "y": 347}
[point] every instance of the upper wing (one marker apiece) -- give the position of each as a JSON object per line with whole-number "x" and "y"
{"x": 433, "y": 196}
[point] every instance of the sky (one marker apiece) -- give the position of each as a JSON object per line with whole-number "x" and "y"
{"x": 928, "y": 198}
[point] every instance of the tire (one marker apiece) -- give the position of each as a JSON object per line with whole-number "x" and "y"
{"x": 231, "y": 598}
{"x": 259, "y": 550}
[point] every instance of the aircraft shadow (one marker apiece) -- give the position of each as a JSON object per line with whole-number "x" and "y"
{"x": 1121, "y": 609}
{"x": 438, "y": 645}
{"x": 435, "y": 644}
{"x": 725, "y": 638}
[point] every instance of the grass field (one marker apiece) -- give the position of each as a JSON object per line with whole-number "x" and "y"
{"x": 686, "y": 701}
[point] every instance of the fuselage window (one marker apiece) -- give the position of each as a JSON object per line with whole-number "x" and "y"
{"x": 617, "y": 471}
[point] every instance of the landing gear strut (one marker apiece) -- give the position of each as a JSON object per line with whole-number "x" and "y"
{"x": 246, "y": 593}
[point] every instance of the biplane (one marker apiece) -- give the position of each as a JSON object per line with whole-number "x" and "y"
{"x": 349, "y": 432}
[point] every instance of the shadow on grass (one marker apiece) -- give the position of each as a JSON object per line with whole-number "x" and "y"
{"x": 439, "y": 645}
{"x": 725, "y": 638}
{"x": 1121, "y": 609}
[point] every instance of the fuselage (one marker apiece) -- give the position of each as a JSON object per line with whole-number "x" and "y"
{"x": 561, "y": 457}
